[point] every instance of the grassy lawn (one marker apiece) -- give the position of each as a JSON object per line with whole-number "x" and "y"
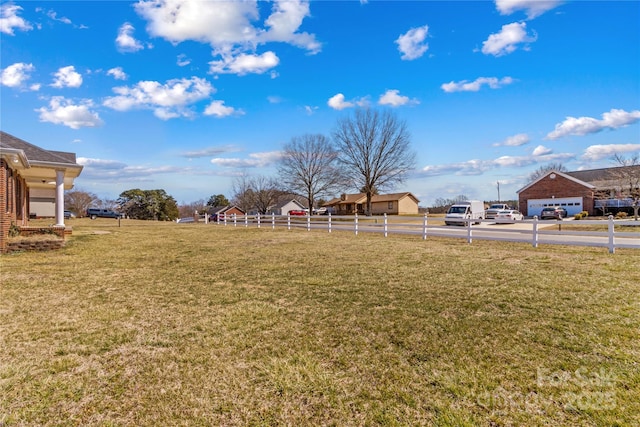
{"x": 164, "y": 324}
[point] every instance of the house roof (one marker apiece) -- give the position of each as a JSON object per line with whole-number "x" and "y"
{"x": 606, "y": 177}
{"x": 594, "y": 178}
{"x": 223, "y": 209}
{"x": 362, "y": 198}
{"x": 37, "y": 165}
{"x": 285, "y": 202}
{"x": 562, "y": 174}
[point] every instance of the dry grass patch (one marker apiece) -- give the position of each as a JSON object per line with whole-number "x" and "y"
{"x": 194, "y": 324}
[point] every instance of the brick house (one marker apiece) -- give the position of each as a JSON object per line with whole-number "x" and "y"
{"x": 25, "y": 167}
{"x": 391, "y": 204}
{"x": 579, "y": 191}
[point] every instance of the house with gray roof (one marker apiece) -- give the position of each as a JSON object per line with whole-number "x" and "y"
{"x": 596, "y": 191}
{"x": 25, "y": 170}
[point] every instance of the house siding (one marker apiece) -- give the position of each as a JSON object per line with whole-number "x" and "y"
{"x": 13, "y": 202}
{"x": 407, "y": 206}
{"x": 390, "y": 204}
{"x": 559, "y": 187}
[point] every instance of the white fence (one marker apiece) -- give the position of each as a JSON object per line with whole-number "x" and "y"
{"x": 532, "y": 231}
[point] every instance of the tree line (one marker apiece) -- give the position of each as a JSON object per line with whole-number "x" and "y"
{"x": 368, "y": 151}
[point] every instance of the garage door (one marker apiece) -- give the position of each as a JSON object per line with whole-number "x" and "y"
{"x": 573, "y": 205}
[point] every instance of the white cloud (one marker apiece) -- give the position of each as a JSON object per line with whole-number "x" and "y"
{"x": 208, "y": 152}
{"x": 100, "y": 163}
{"x": 478, "y": 167}
{"x": 16, "y": 75}
{"x": 63, "y": 111}
{"x": 533, "y": 8}
{"x": 229, "y": 27}
{"x": 54, "y": 16}
{"x": 412, "y": 44}
{"x": 541, "y": 150}
{"x": 286, "y": 17}
{"x": 169, "y": 100}
{"x": 476, "y": 85}
{"x": 244, "y": 64}
{"x": 116, "y": 171}
{"x": 9, "y": 19}
{"x": 125, "y": 40}
{"x": 599, "y": 152}
{"x": 67, "y": 77}
{"x": 117, "y": 73}
{"x": 337, "y": 102}
{"x": 255, "y": 160}
{"x": 183, "y": 60}
{"x": 514, "y": 141}
{"x": 218, "y": 109}
{"x": 391, "y": 97}
{"x": 586, "y": 125}
{"x": 507, "y": 39}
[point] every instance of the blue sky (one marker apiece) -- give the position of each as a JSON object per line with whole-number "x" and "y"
{"x": 187, "y": 95}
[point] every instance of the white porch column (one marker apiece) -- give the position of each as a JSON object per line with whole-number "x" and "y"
{"x": 60, "y": 197}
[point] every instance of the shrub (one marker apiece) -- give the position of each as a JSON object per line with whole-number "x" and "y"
{"x": 14, "y": 230}
{"x": 581, "y": 215}
{"x": 621, "y": 215}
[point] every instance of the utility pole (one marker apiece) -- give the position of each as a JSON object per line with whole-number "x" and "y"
{"x": 498, "y": 182}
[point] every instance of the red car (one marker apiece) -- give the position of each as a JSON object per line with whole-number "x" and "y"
{"x": 298, "y": 213}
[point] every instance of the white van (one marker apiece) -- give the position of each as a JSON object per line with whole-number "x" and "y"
{"x": 470, "y": 209}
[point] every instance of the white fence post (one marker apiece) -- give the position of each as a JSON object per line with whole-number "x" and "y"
{"x": 385, "y": 224}
{"x": 309, "y": 221}
{"x": 612, "y": 244}
{"x": 535, "y": 231}
{"x": 235, "y": 220}
{"x": 424, "y": 227}
{"x": 206, "y": 218}
{"x": 469, "y": 234}
{"x": 273, "y": 220}
{"x": 225, "y": 220}
{"x": 288, "y": 221}
{"x": 355, "y": 223}
{"x": 258, "y": 219}
{"x": 329, "y": 222}
{"x": 246, "y": 220}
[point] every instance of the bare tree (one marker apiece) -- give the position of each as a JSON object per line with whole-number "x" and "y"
{"x": 629, "y": 178}
{"x": 265, "y": 193}
{"x": 79, "y": 201}
{"x": 543, "y": 170}
{"x": 374, "y": 147}
{"x": 309, "y": 167}
{"x": 259, "y": 193}
{"x": 243, "y": 195}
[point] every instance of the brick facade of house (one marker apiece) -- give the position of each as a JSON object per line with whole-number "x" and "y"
{"x": 557, "y": 187}
{"x": 14, "y": 198}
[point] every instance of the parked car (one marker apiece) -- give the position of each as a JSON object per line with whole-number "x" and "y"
{"x": 553, "y": 212}
{"x": 69, "y": 214}
{"x": 298, "y": 213}
{"x": 494, "y": 209}
{"x": 94, "y": 213}
{"x": 509, "y": 215}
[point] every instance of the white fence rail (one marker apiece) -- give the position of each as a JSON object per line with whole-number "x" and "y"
{"x": 532, "y": 231}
